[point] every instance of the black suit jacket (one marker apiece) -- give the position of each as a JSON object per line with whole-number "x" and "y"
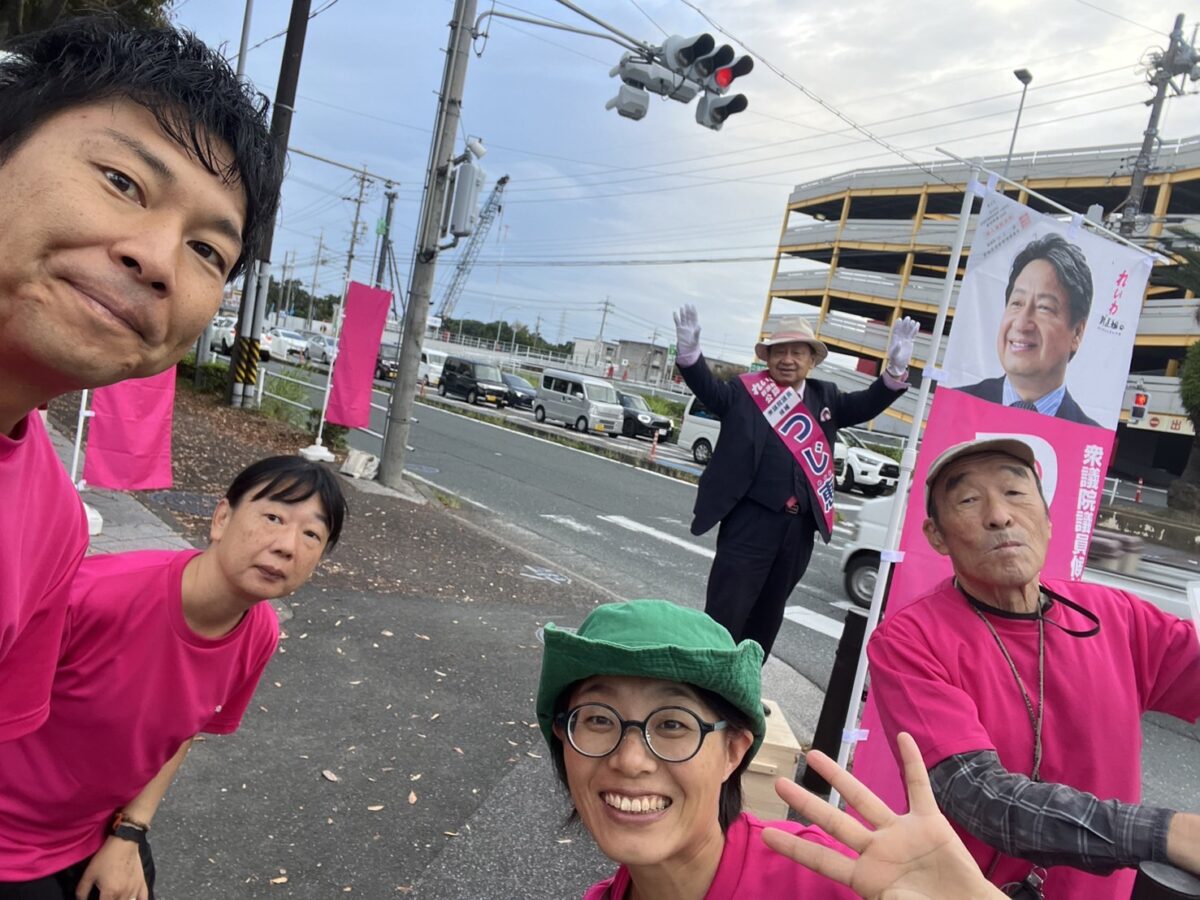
{"x": 738, "y": 458}
{"x": 993, "y": 389}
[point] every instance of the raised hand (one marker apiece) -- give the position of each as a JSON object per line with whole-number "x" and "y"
{"x": 901, "y": 349}
{"x": 916, "y": 856}
{"x": 687, "y": 335}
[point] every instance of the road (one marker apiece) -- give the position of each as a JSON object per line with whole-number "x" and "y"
{"x": 626, "y": 529}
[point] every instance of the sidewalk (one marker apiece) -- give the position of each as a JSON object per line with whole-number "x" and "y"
{"x": 407, "y": 670}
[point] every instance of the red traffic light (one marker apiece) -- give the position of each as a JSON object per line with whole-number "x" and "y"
{"x": 723, "y": 77}
{"x": 1141, "y": 399}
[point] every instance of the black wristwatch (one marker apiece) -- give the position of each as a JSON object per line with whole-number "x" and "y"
{"x": 129, "y": 830}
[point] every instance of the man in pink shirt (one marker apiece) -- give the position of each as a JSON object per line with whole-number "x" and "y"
{"x": 1025, "y": 694}
{"x": 136, "y": 172}
{"x": 158, "y": 646}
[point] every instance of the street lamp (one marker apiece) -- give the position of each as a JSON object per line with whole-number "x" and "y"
{"x": 500, "y": 324}
{"x": 1024, "y": 76}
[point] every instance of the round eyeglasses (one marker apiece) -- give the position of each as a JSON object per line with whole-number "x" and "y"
{"x": 672, "y": 733}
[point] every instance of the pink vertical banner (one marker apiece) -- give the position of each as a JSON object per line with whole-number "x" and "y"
{"x": 1045, "y": 318}
{"x": 129, "y": 438}
{"x": 358, "y": 345}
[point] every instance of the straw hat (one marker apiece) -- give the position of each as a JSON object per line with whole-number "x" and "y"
{"x": 792, "y": 330}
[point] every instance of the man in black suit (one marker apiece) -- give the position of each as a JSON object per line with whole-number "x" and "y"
{"x": 1046, "y": 305}
{"x": 768, "y": 509}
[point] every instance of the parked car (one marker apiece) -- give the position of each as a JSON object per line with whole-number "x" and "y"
{"x": 387, "y": 362}
{"x": 287, "y": 345}
{"x": 641, "y": 421}
{"x": 699, "y": 430}
{"x": 320, "y": 347}
{"x": 579, "y": 401}
{"x": 224, "y": 334}
{"x": 854, "y": 465}
{"x": 868, "y": 535}
{"x": 434, "y": 360}
{"x": 476, "y": 381}
{"x": 520, "y": 392}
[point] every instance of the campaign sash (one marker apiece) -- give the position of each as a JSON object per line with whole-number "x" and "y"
{"x": 790, "y": 419}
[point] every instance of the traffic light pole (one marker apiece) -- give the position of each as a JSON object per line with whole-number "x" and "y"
{"x": 420, "y": 289}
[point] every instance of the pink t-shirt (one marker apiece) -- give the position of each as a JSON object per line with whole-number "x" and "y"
{"x": 134, "y": 682}
{"x": 749, "y": 869}
{"x": 43, "y": 536}
{"x": 938, "y": 674}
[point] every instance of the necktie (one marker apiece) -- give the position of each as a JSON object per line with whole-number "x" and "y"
{"x": 1022, "y": 404}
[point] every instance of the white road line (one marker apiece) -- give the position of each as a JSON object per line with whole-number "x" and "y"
{"x": 814, "y": 621}
{"x": 568, "y": 522}
{"x": 631, "y": 525}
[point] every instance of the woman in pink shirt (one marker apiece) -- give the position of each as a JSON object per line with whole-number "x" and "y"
{"x": 158, "y": 646}
{"x": 666, "y": 803}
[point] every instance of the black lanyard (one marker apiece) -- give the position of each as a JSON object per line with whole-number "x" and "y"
{"x": 1037, "y": 719}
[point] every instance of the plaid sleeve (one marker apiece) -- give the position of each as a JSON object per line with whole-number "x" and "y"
{"x": 1046, "y": 824}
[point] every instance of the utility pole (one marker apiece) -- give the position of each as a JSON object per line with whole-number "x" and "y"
{"x": 600, "y": 336}
{"x": 289, "y": 281}
{"x": 385, "y": 244}
{"x": 1180, "y": 59}
{"x": 243, "y": 367}
{"x": 358, "y": 202}
{"x": 312, "y": 294}
{"x": 437, "y": 176}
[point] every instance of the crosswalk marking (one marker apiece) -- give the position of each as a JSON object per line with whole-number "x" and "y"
{"x": 813, "y": 620}
{"x": 631, "y": 525}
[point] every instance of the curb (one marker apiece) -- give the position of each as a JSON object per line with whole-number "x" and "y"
{"x": 557, "y": 436}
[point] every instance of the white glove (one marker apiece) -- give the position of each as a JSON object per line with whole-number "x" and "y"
{"x": 900, "y": 352}
{"x": 687, "y": 335}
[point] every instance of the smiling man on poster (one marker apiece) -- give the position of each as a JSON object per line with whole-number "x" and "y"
{"x": 1046, "y": 306}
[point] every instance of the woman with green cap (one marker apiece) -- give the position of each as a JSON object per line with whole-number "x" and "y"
{"x": 667, "y": 806}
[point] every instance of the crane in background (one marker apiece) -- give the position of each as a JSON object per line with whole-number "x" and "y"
{"x": 471, "y": 252}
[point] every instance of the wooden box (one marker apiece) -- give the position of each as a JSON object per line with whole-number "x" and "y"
{"x": 778, "y": 757}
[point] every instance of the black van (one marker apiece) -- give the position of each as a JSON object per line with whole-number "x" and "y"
{"x": 474, "y": 380}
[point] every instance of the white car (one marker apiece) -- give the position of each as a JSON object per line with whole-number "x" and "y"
{"x": 224, "y": 334}
{"x": 285, "y": 345}
{"x": 856, "y": 466}
{"x": 320, "y": 347}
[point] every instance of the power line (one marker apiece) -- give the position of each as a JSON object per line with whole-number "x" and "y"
{"x": 1109, "y": 12}
{"x": 280, "y": 34}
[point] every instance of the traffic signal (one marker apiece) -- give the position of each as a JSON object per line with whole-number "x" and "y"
{"x": 721, "y": 79}
{"x": 630, "y": 102}
{"x": 650, "y": 76}
{"x": 713, "y": 109}
{"x": 1137, "y": 412}
{"x": 680, "y": 53}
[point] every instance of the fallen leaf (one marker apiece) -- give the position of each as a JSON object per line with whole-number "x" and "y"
{"x": 422, "y": 637}
{"x": 434, "y": 716}
{"x": 416, "y": 777}
{"x": 282, "y": 879}
{"x": 412, "y": 797}
{"x": 450, "y": 833}
{"x": 386, "y": 633}
{"x": 329, "y": 775}
{"x": 375, "y": 807}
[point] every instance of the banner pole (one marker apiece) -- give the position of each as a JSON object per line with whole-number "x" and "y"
{"x": 908, "y": 458}
{"x": 84, "y": 414}
{"x": 316, "y": 451}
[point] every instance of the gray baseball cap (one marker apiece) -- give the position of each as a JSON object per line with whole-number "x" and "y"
{"x": 1012, "y": 446}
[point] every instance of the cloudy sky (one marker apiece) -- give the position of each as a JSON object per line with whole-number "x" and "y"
{"x": 659, "y": 212}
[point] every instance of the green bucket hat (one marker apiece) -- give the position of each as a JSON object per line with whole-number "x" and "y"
{"x": 653, "y": 639}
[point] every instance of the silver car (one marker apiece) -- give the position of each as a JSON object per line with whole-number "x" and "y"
{"x": 320, "y": 347}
